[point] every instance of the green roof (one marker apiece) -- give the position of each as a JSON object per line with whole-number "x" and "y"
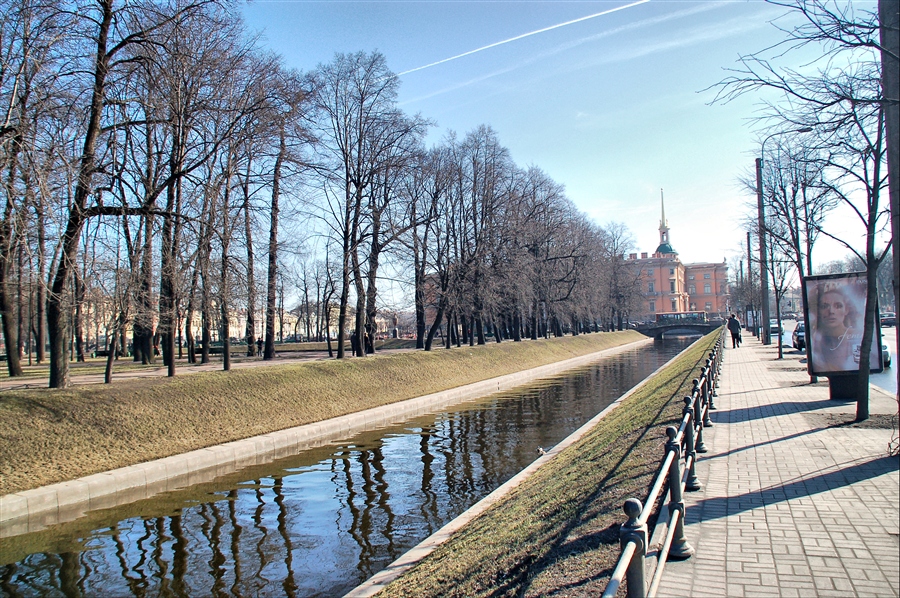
{"x": 665, "y": 248}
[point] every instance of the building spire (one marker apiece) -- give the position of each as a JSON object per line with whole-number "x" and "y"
{"x": 663, "y": 223}
{"x": 664, "y": 246}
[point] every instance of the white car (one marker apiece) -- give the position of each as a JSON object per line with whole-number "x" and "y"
{"x": 774, "y": 329}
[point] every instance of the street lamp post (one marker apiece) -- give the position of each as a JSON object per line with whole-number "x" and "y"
{"x": 763, "y": 267}
{"x": 763, "y": 263}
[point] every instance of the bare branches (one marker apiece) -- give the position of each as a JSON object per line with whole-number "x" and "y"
{"x": 838, "y": 97}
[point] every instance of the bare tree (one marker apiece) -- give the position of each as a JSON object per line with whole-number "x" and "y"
{"x": 390, "y": 213}
{"x": 32, "y": 35}
{"x": 843, "y": 104}
{"x": 355, "y": 99}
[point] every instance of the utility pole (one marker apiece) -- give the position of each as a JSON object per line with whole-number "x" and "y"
{"x": 889, "y": 19}
{"x": 750, "y": 284}
{"x": 763, "y": 262}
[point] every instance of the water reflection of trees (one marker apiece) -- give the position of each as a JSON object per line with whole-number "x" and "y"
{"x": 261, "y": 537}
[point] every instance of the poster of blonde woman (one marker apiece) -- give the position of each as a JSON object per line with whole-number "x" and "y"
{"x": 837, "y": 305}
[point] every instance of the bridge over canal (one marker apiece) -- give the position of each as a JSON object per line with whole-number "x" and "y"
{"x": 659, "y": 329}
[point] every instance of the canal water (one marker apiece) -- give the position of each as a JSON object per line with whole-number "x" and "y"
{"x": 323, "y": 521}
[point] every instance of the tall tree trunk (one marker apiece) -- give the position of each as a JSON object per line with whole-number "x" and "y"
{"x": 272, "y": 277}
{"x": 429, "y": 339}
{"x": 189, "y": 314}
{"x": 360, "y": 316}
{"x": 420, "y": 306}
{"x": 143, "y": 319}
{"x": 371, "y": 327}
{"x": 79, "y": 315}
{"x": 21, "y": 310}
{"x": 872, "y": 263}
{"x": 110, "y": 357}
{"x": 205, "y": 336}
{"x": 348, "y": 232}
{"x": 57, "y": 324}
{"x": 40, "y": 301}
{"x": 168, "y": 322}
{"x": 7, "y": 249}
{"x": 224, "y": 310}
{"x": 13, "y": 363}
{"x": 250, "y": 329}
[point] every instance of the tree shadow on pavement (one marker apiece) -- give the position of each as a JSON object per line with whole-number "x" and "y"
{"x": 746, "y": 414}
{"x": 759, "y": 444}
{"x": 724, "y": 506}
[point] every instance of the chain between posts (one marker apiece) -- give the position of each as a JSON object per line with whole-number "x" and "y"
{"x": 678, "y": 472}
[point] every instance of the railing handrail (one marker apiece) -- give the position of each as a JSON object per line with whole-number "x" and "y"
{"x": 689, "y": 435}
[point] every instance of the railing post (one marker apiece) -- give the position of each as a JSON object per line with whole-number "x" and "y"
{"x": 707, "y": 422}
{"x": 632, "y": 531}
{"x": 680, "y": 549}
{"x": 692, "y": 483}
{"x": 696, "y": 393}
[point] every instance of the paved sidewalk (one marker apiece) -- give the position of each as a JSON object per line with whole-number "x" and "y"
{"x": 794, "y": 502}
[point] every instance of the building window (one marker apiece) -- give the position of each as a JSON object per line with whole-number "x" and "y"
{"x": 653, "y": 306}
{"x": 708, "y": 306}
{"x": 672, "y": 286}
{"x": 649, "y": 271}
{"x": 672, "y": 271}
{"x": 650, "y": 288}
{"x": 691, "y": 277}
{"x": 692, "y": 290}
{"x": 674, "y": 305}
{"x": 707, "y": 289}
{"x": 706, "y": 276}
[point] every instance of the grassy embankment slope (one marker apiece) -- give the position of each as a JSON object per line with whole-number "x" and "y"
{"x": 557, "y": 533}
{"x": 53, "y": 436}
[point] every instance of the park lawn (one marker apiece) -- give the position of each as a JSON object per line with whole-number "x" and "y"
{"x": 97, "y": 365}
{"x": 50, "y": 436}
{"x": 556, "y": 534}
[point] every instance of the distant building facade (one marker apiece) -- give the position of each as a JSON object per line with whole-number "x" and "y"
{"x": 668, "y": 285}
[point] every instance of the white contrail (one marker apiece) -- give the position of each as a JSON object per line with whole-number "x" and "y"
{"x": 518, "y": 37}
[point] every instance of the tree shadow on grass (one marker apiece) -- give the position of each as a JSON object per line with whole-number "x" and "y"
{"x": 581, "y": 574}
{"x": 564, "y": 546}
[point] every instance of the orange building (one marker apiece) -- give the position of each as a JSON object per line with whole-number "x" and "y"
{"x": 669, "y": 285}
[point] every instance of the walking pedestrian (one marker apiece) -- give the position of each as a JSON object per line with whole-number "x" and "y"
{"x": 734, "y": 327}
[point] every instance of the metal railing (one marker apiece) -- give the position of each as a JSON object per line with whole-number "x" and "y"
{"x": 679, "y": 473}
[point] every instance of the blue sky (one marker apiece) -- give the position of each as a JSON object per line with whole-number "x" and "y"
{"x": 613, "y": 106}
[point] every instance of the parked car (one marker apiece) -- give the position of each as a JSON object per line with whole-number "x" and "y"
{"x": 799, "y": 337}
{"x": 775, "y": 329}
{"x": 886, "y": 356}
{"x": 888, "y": 319}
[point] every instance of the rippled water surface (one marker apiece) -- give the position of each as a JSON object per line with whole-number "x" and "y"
{"x": 323, "y": 521}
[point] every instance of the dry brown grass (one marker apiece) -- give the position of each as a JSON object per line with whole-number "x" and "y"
{"x": 52, "y": 436}
{"x": 557, "y": 533}
{"x": 97, "y": 365}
